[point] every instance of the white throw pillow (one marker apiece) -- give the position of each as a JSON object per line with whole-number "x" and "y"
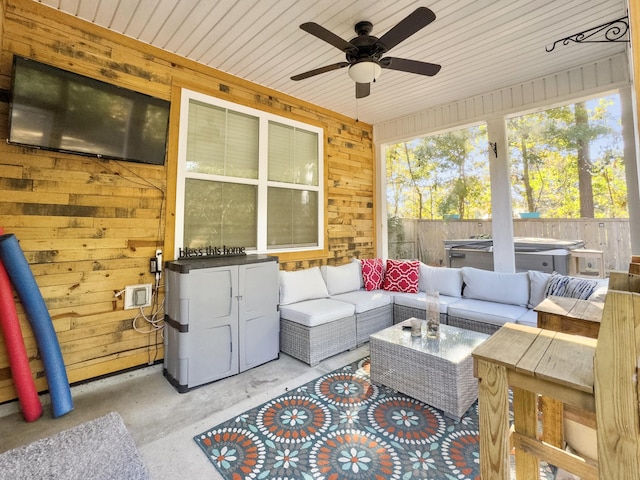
{"x": 342, "y": 279}
{"x": 446, "y": 281}
{"x": 572, "y": 287}
{"x": 301, "y": 285}
{"x": 538, "y": 284}
{"x": 508, "y": 288}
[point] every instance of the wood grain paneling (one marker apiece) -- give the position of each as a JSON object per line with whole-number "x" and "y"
{"x": 88, "y": 226}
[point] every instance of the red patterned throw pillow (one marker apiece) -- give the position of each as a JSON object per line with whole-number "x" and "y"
{"x": 372, "y": 273}
{"x": 402, "y": 276}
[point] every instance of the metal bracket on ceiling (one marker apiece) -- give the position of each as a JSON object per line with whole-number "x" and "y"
{"x": 613, "y": 31}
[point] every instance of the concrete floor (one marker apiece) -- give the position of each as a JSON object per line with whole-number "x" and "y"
{"x": 162, "y": 421}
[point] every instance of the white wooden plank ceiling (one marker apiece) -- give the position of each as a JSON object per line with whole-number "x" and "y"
{"x": 482, "y": 45}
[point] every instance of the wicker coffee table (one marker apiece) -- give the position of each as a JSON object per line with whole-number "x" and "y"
{"x": 438, "y": 372}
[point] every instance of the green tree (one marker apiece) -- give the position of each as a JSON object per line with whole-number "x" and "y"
{"x": 571, "y": 130}
{"x": 559, "y": 166}
{"x": 567, "y": 162}
{"x": 526, "y": 139}
{"x": 458, "y": 171}
{"x": 405, "y": 183}
{"x": 396, "y": 181}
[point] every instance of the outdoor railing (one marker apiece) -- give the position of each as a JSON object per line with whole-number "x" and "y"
{"x": 424, "y": 239}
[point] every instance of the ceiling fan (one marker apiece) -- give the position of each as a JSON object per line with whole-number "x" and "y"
{"x": 365, "y": 52}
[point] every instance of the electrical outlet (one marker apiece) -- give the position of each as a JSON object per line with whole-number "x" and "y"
{"x": 136, "y": 296}
{"x": 155, "y": 263}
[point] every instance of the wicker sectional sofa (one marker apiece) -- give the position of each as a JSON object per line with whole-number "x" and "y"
{"x": 327, "y": 310}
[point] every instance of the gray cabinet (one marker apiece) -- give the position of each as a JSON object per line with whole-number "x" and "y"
{"x": 221, "y": 317}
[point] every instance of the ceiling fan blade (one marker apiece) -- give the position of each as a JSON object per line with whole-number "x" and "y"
{"x": 411, "y": 66}
{"x": 418, "y": 19}
{"x": 363, "y": 90}
{"x": 318, "y": 71}
{"x": 327, "y": 36}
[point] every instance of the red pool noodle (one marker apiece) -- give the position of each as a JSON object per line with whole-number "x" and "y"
{"x": 16, "y": 350}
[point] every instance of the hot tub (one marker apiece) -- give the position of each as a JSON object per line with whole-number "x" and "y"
{"x": 542, "y": 254}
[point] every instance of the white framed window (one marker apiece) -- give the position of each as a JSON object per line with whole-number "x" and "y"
{"x": 247, "y": 178}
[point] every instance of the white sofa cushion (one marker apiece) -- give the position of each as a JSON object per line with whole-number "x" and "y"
{"x": 529, "y": 319}
{"x": 487, "y": 312}
{"x": 537, "y": 285}
{"x": 316, "y": 312}
{"x": 359, "y": 263}
{"x": 345, "y": 278}
{"x": 600, "y": 293}
{"x": 419, "y": 300}
{"x": 503, "y": 288}
{"x": 444, "y": 280}
{"x": 301, "y": 285}
{"x": 365, "y": 300}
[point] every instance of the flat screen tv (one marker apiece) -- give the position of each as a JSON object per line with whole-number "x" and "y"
{"x": 54, "y": 109}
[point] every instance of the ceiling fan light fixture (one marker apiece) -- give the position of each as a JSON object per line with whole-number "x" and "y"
{"x": 365, "y": 72}
{"x": 364, "y": 53}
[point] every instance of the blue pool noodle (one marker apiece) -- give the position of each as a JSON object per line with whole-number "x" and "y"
{"x": 31, "y": 298}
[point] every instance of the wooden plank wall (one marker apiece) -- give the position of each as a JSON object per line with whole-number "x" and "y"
{"x": 88, "y": 227}
{"x": 424, "y": 239}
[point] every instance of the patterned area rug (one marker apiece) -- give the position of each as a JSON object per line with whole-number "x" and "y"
{"x": 340, "y": 426}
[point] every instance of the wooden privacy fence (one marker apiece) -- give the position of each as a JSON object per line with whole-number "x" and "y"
{"x": 424, "y": 239}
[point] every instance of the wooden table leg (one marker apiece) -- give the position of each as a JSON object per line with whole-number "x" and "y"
{"x": 493, "y": 403}
{"x": 525, "y": 422}
{"x": 552, "y": 421}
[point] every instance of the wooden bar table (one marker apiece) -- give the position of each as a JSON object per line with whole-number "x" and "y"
{"x": 530, "y": 361}
{"x": 567, "y": 315}
{"x": 570, "y": 315}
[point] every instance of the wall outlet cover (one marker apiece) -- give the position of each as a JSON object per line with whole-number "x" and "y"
{"x": 137, "y": 296}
